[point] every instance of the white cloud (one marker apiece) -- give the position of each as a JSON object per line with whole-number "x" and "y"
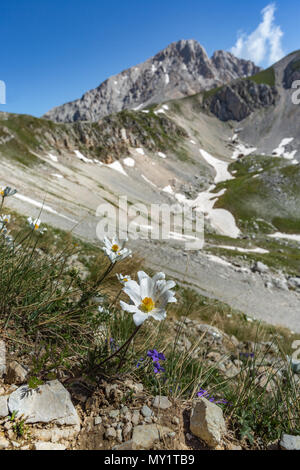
{"x": 264, "y": 44}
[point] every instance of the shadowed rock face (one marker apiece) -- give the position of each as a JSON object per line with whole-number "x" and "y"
{"x": 238, "y": 100}
{"x": 180, "y": 70}
{"x": 292, "y": 72}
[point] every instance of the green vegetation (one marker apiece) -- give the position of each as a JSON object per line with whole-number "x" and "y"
{"x": 266, "y": 77}
{"x": 263, "y": 188}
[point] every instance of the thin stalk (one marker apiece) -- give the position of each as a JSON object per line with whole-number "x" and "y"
{"x": 127, "y": 343}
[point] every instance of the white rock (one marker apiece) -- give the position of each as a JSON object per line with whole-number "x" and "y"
{"x": 55, "y": 434}
{"x": 161, "y": 402}
{"x": 261, "y": 267}
{"x": 110, "y": 433}
{"x": 4, "y": 406}
{"x": 4, "y": 443}
{"x": 48, "y": 446}
{"x": 144, "y": 437}
{"x": 146, "y": 411}
{"x": 207, "y": 422}
{"x": 2, "y": 358}
{"x": 290, "y": 442}
{"x": 50, "y": 402}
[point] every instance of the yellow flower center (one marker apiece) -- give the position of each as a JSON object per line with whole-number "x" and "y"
{"x": 36, "y": 226}
{"x": 115, "y": 248}
{"x": 2, "y": 192}
{"x": 147, "y": 304}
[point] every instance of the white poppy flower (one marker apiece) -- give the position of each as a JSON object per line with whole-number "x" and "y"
{"x": 34, "y": 224}
{"x": 7, "y": 191}
{"x": 123, "y": 279}
{"x": 149, "y": 297}
{"x": 115, "y": 250}
{"x": 4, "y": 219}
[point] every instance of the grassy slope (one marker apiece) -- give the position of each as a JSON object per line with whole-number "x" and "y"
{"x": 96, "y": 140}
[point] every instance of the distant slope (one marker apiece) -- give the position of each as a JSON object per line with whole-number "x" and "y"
{"x": 182, "y": 69}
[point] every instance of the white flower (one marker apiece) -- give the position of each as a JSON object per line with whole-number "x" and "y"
{"x": 115, "y": 250}
{"x": 123, "y": 279}
{"x": 7, "y": 191}
{"x": 4, "y": 219}
{"x": 34, "y": 224}
{"x": 149, "y": 297}
{"x": 103, "y": 310}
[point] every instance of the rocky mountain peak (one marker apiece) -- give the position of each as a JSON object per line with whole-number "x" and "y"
{"x": 182, "y": 69}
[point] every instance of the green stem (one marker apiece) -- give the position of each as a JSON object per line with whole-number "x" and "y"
{"x": 127, "y": 343}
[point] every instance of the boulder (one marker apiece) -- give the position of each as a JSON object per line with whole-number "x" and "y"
{"x": 4, "y": 443}
{"x": 260, "y": 268}
{"x": 16, "y": 373}
{"x": 207, "y": 422}
{"x": 290, "y": 442}
{"x": 145, "y": 436}
{"x": 47, "y": 403}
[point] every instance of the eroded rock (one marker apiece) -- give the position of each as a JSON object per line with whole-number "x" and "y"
{"x": 207, "y": 422}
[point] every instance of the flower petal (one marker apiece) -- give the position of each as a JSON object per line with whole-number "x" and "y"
{"x": 128, "y": 308}
{"x": 139, "y": 318}
{"x": 158, "y": 314}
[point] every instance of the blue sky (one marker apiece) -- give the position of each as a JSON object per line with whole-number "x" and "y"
{"x": 52, "y": 51}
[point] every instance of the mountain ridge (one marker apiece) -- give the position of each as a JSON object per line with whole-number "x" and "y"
{"x": 182, "y": 69}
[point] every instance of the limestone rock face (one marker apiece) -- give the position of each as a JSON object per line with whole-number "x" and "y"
{"x": 48, "y": 403}
{"x": 239, "y": 99}
{"x": 207, "y": 422}
{"x": 292, "y": 72}
{"x": 181, "y": 69}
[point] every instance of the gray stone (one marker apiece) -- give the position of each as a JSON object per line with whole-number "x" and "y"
{"x": 261, "y": 267}
{"x": 211, "y": 331}
{"x": 128, "y": 445}
{"x": 114, "y": 414}
{"x": 207, "y": 422}
{"x": 294, "y": 282}
{"x": 50, "y": 402}
{"x": 4, "y": 406}
{"x": 146, "y": 411}
{"x": 2, "y": 358}
{"x": 290, "y": 442}
{"x": 119, "y": 435}
{"x": 16, "y": 373}
{"x": 98, "y": 420}
{"x": 127, "y": 431}
{"x": 136, "y": 417}
{"x": 161, "y": 402}
{"x": 4, "y": 443}
{"x": 55, "y": 434}
{"x": 48, "y": 446}
{"x": 110, "y": 433}
{"x": 145, "y": 436}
